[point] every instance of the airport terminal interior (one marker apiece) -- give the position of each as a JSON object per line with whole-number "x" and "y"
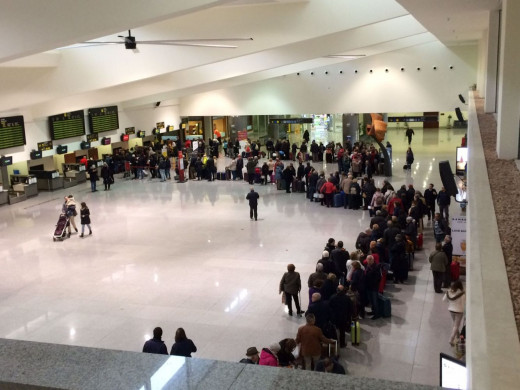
{"x": 187, "y": 255}
{"x": 89, "y": 78}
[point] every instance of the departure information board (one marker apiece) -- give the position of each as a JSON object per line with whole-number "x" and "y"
{"x": 12, "y": 132}
{"x": 103, "y": 119}
{"x": 67, "y": 125}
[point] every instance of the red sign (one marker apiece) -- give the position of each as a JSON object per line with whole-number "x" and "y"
{"x": 125, "y": 137}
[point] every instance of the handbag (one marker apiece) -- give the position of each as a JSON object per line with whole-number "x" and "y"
{"x": 283, "y": 298}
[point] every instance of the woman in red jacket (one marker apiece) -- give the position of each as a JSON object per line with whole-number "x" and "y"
{"x": 328, "y": 189}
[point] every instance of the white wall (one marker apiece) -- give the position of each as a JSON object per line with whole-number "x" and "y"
{"x": 380, "y": 91}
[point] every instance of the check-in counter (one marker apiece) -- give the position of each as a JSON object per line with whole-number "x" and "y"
{"x": 16, "y": 196}
{"x": 48, "y": 180}
{"x": 76, "y": 172}
{"x": 26, "y": 184}
{"x": 4, "y": 197}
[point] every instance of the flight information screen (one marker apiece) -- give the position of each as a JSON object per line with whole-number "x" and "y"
{"x": 12, "y": 132}
{"x": 103, "y": 119}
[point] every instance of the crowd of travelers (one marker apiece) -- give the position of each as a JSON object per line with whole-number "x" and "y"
{"x": 345, "y": 283}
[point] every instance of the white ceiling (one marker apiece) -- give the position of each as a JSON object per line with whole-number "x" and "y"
{"x": 289, "y": 36}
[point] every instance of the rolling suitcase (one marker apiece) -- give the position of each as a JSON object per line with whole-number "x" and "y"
{"x": 384, "y": 305}
{"x": 339, "y": 200}
{"x": 246, "y": 176}
{"x": 454, "y": 271}
{"x": 420, "y": 241}
{"x": 301, "y": 186}
{"x": 355, "y": 333}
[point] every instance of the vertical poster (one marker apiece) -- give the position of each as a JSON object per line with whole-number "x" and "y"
{"x": 458, "y": 239}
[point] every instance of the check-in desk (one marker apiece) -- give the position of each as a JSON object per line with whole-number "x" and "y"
{"x": 48, "y": 180}
{"x": 76, "y": 172}
{"x": 4, "y": 196}
{"x": 26, "y": 184}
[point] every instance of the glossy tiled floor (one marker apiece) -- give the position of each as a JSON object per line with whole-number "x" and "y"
{"x": 187, "y": 255}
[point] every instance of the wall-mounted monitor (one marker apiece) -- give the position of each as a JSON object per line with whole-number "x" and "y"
{"x": 103, "y": 119}
{"x": 62, "y": 149}
{"x": 6, "y": 160}
{"x": 125, "y": 137}
{"x": 141, "y": 134}
{"x": 12, "y": 132}
{"x": 67, "y": 125}
{"x": 106, "y": 141}
{"x": 35, "y": 154}
{"x": 84, "y": 145}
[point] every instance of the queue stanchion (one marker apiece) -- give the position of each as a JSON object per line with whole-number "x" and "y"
{"x": 180, "y": 165}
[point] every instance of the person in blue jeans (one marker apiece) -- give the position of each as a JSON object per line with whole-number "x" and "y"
{"x": 93, "y": 177}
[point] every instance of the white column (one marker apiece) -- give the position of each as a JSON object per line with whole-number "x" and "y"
{"x": 508, "y": 120}
{"x": 490, "y": 95}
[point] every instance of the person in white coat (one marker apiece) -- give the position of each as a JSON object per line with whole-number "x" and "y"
{"x": 456, "y": 298}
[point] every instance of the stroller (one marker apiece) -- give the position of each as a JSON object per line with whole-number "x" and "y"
{"x": 61, "y": 228}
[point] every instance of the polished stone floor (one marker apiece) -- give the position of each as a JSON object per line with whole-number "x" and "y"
{"x": 187, "y": 255}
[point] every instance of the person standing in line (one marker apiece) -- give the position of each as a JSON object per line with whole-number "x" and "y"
{"x": 444, "y": 200}
{"x": 252, "y": 197}
{"x": 93, "y": 177}
{"x": 85, "y": 218}
{"x": 439, "y": 262}
{"x": 291, "y": 285}
{"x": 183, "y": 346}
{"x": 107, "y": 175}
{"x": 310, "y": 337}
{"x": 156, "y": 345}
{"x": 456, "y": 298}
{"x": 409, "y": 134}
{"x": 430, "y": 195}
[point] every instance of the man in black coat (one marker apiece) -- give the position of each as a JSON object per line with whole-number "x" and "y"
{"x": 252, "y": 197}
{"x": 288, "y": 175}
{"x": 430, "y": 195}
{"x": 321, "y": 311}
{"x": 363, "y": 241}
{"x": 210, "y": 167}
{"x": 341, "y": 308}
{"x": 339, "y": 257}
{"x": 240, "y": 166}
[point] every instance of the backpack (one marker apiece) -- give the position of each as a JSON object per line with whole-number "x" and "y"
{"x": 379, "y": 200}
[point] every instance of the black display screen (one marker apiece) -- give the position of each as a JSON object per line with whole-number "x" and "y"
{"x": 66, "y": 125}
{"x": 103, "y": 119}
{"x": 12, "y": 132}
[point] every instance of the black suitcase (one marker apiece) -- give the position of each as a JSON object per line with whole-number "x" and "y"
{"x": 300, "y": 186}
{"x": 406, "y": 166}
{"x": 281, "y": 185}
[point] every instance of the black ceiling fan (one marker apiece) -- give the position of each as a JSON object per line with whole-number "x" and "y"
{"x": 131, "y": 43}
